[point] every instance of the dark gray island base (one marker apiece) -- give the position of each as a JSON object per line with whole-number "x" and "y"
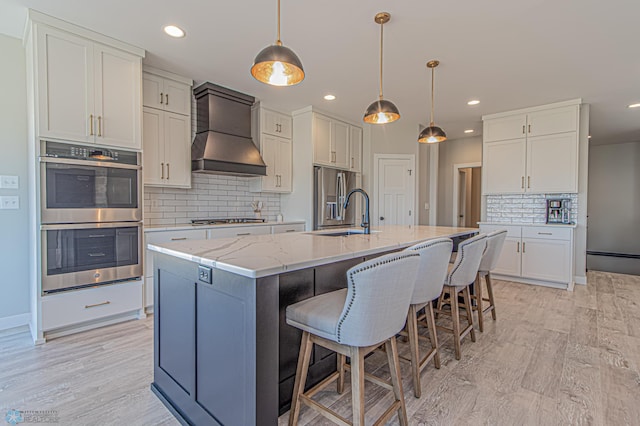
{"x": 223, "y": 353}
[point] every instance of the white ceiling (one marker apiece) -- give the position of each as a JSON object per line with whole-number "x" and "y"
{"x": 509, "y": 54}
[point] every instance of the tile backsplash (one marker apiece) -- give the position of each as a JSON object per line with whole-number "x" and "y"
{"x": 524, "y": 208}
{"x": 210, "y": 196}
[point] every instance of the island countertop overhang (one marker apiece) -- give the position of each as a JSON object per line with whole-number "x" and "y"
{"x": 256, "y": 256}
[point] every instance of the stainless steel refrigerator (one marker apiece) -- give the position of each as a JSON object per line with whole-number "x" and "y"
{"x": 331, "y": 187}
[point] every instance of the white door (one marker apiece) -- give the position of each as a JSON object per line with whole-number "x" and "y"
{"x": 322, "y": 140}
{"x": 355, "y": 148}
{"x": 510, "y": 258}
{"x": 152, "y": 91}
{"x": 504, "y": 166}
{"x": 65, "y": 86}
{"x": 177, "y": 97}
{"x": 153, "y": 147}
{"x": 177, "y": 152}
{"x": 394, "y": 190}
{"x": 548, "y": 260}
{"x": 552, "y": 121}
{"x": 340, "y": 144}
{"x": 499, "y": 129}
{"x": 284, "y": 165}
{"x": 270, "y": 148}
{"x": 552, "y": 163}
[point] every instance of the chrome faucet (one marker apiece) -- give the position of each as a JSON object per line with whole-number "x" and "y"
{"x": 365, "y": 218}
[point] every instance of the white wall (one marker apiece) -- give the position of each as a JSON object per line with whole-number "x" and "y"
{"x": 457, "y": 151}
{"x": 14, "y": 227}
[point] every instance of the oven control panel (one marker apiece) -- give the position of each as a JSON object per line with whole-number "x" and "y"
{"x": 88, "y": 153}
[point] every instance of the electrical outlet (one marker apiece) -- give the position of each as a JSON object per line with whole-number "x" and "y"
{"x": 9, "y": 182}
{"x": 10, "y": 202}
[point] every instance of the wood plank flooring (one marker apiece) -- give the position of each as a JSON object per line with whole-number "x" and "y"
{"x": 551, "y": 358}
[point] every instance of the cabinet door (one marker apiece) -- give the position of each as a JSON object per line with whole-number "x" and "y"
{"x": 340, "y": 144}
{"x": 177, "y": 150}
{"x": 504, "y": 166}
{"x": 270, "y": 147}
{"x": 283, "y": 165}
{"x": 177, "y": 97}
{"x": 65, "y": 86}
{"x": 509, "y": 261}
{"x": 551, "y": 121}
{"x": 238, "y": 231}
{"x": 118, "y": 76}
{"x": 548, "y": 260}
{"x": 152, "y": 91}
{"x": 355, "y": 149}
{"x": 284, "y": 122}
{"x": 552, "y": 163}
{"x": 153, "y": 147}
{"x": 322, "y": 140}
{"x": 499, "y": 129}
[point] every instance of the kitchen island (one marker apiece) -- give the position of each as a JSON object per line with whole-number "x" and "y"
{"x": 223, "y": 353}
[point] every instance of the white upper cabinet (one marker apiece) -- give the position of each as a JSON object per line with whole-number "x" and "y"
{"x": 322, "y": 153}
{"x": 533, "y": 152}
{"x": 355, "y": 149}
{"x": 272, "y": 132}
{"x": 167, "y": 94}
{"x": 87, "y": 91}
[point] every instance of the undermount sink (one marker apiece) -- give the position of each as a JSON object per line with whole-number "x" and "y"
{"x": 343, "y": 233}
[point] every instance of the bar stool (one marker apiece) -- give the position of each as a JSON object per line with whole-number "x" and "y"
{"x": 462, "y": 273}
{"x": 434, "y": 260}
{"x": 495, "y": 241}
{"x": 354, "y": 322}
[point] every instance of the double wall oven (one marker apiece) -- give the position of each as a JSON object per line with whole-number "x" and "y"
{"x": 91, "y": 213}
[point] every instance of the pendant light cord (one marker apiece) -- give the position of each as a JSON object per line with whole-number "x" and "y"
{"x": 381, "y": 38}
{"x": 278, "y": 42}
{"x": 432, "y": 70}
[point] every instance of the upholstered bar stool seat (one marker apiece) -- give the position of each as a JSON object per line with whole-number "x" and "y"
{"x": 434, "y": 259}
{"x": 495, "y": 242}
{"x": 354, "y": 322}
{"x": 461, "y": 274}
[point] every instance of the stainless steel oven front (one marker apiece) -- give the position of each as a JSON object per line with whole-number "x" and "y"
{"x": 89, "y": 184}
{"x": 77, "y": 255}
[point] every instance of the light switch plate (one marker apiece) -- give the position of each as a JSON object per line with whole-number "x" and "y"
{"x": 10, "y": 202}
{"x": 9, "y": 182}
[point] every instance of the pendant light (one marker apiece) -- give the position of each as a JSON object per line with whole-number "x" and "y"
{"x": 433, "y": 133}
{"x": 381, "y": 111}
{"x": 277, "y": 65}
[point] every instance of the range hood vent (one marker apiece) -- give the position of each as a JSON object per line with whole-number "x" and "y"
{"x": 223, "y": 143}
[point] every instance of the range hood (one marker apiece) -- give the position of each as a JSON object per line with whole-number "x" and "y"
{"x": 223, "y": 143}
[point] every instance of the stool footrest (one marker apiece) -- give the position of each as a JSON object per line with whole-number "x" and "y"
{"x": 324, "y": 411}
{"x": 373, "y": 379}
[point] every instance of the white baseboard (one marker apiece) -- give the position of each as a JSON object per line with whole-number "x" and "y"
{"x": 15, "y": 321}
{"x": 581, "y": 280}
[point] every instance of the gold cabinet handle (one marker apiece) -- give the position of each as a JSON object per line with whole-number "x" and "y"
{"x": 244, "y": 233}
{"x": 523, "y": 129}
{"x": 161, "y": 95}
{"x": 167, "y": 98}
{"x": 179, "y": 239}
{"x": 522, "y": 185}
{"x": 352, "y": 162}
{"x": 167, "y": 171}
{"x": 90, "y": 124}
{"x": 523, "y": 247}
{"x": 162, "y": 170}
{"x": 529, "y": 128}
{"x": 100, "y": 125}
{"x": 97, "y": 304}
{"x": 518, "y": 249}
{"x": 529, "y": 182}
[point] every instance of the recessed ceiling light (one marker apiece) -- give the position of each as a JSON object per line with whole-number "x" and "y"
{"x": 329, "y": 97}
{"x": 473, "y": 102}
{"x": 174, "y": 31}
{"x": 634, "y": 106}
{"x": 469, "y": 131}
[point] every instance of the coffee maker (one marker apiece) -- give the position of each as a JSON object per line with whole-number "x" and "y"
{"x": 559, "y": 210}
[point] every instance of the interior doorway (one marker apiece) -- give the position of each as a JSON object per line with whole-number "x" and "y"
{"x": 467, "y": 190}
{"x": 394, "y": 189}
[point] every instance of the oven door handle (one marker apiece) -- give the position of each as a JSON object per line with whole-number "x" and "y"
{"x": 55, "y": 227}
{"x": 89, "y": 163}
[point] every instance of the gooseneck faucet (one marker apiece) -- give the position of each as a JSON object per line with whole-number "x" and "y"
{"x": 365, "y": 219}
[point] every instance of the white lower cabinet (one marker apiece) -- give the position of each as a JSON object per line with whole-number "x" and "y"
{"x": 75, "y": 307}
{"x": 281, "y": 229}
{"x": 240, "y": 231}
{"x": 535, "y": 253}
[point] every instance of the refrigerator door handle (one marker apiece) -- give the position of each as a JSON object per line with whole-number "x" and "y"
{"x": 340, "y": 188}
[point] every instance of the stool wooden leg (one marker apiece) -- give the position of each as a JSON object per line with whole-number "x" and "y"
{"x": 341, "y": 362}
{"x": 468, "y": 309}
{"x": 301, "y": 377}
{"x": 490, "y": 293}
{"x": 455, "y": 318}
{"x": 396, "y": 381}
{"x": 357, "y": 385}
{"x": 412, "y": 330}
{"x": 477, "y": 289}
{"x": 433, "y": 336}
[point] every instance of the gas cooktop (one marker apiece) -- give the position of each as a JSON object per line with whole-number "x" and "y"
{"x": 227, "y": 220}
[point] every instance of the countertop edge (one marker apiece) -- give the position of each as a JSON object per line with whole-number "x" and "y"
{"x": 551, "y": 225}
{"x": 187, "y": 226}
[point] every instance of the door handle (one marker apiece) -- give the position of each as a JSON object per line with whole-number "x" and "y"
{"x": 522, "y": 182}
{"x": 529, "y": 182}
{"x": 179, "y": 239}
{"x": 96, "y": 255}
{"x": 529, "y": 128}
{"x": 245, "y": 233}
{"x": 100, "y": 125}
{"x": 381, "y": 217}
{"x": 161, "y": 95}
{"x": 523, "y": 129}
{"x": 518, "y": 249}
{"x": 97, "y": 304}
{"x": 90, "y": 124}
{"x": 167, "y": 171}
{"x": 162, "y": 170}
{"x": 523, "y": 247}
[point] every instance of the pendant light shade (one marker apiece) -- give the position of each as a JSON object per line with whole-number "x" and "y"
{"x": 381, "y": 111}
{"x": 277, "y": 65}
{"x": 433, "y": 133}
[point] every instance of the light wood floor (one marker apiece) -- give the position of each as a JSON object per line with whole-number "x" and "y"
{"x": 552, "y": 358}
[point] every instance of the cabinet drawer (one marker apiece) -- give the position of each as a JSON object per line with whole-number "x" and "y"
{"x": 60, "y": 310}
{"x": 280, "y": 229}
{"x": 512, "y": 230}
{"x": 239, "y": 231}
{"x": 546, "y": 232}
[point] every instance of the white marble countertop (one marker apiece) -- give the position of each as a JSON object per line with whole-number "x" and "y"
{"x": 552, "y": 225}
{"x": 256, "y": 256}
{"x": 184, "y": 226}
